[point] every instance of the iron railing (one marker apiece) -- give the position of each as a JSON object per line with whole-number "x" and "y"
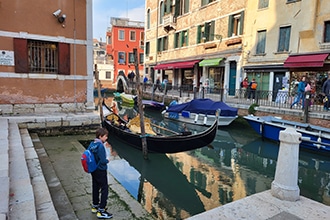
{"x": 280, "y": 99}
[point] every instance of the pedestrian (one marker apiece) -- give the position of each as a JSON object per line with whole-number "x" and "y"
{"x": 158, "y": 85}
{"x": 99, "y": 176}
{"x": 252, "y": 89}
{"x": 326, "y": 91}
{"x": 300, "y": 92}
{"x": 145, "y": 82}
{"x": 244, "y": 86}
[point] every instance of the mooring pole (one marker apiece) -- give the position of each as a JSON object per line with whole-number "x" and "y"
{"x": 139, "y": 102}
{"x": 99, "y": 92}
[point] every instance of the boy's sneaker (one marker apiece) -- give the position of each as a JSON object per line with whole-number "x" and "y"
{"x": 95, "y": 208}
{"x": 102, "y": 214}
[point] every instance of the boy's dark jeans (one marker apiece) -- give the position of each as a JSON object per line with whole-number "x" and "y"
{"x": 100, "y": 182}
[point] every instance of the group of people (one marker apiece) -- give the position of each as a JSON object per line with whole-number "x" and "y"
{"x": 304, "y": 88}
{"x": 249, "y": 88}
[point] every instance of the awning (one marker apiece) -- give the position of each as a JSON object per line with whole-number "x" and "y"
{"x": 176, "y": 65}
{"x": 210, "y": 62}
{"x": 306, "y": 60}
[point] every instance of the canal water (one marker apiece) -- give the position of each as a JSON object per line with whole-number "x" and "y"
{"x": 237, "y": 164}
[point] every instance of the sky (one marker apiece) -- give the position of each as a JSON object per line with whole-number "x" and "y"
{"x": 103, "y": 10}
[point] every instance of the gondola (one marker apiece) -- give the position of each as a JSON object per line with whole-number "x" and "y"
{"x": 157, "y": 143}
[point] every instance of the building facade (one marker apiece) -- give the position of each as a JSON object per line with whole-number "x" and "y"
{"x": 46, "y": 61}
{"x": 195, "y": 43}
{"x": 122, "y": 37}
{"x": 284, "y": 40}
{"x": 103, "y": 64}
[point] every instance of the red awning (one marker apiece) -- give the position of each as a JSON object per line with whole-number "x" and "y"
{"x": 176, "y": 65}
{"x": 310, "y": 60}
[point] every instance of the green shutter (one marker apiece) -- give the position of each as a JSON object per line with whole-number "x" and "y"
{"x": 177, "y": 8}
{"x": 187, "y": 38}
{"x": 212, "y": 30}
{"x": 198, "y": 40}
{"x": 230, "y": 25}
{"x": 242, "y": 23}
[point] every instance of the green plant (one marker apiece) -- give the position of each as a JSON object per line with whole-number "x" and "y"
{"x": 252, "y": 109}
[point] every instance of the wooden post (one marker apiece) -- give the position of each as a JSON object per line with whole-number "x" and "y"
{"x": 139, "y": 102}
{"x": 99, "y": 92}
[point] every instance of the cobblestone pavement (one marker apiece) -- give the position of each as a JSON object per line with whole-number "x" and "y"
{"x": 70, "y": 186}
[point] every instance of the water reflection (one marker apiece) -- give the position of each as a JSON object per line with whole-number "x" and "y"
{"x": 237, "y": 164}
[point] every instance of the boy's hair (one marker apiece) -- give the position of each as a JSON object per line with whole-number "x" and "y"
{"x": 101, "y": 132}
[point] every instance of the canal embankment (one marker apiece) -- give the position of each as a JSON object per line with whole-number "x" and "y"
{"x": 41, "y": 179}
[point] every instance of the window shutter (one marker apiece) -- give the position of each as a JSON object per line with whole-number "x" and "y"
{"x": 63, "y": 59}
{"x": 242, "y": 23}
{"x": 177, "y": 8}
{"x": 212, "y": 30}
{"x": 230, "y": 26}
{"x": 21, "y": 55}
{"x": 175, "y": 40}
{"x": 187, "y": 38}
{"x": 198, "y": 34}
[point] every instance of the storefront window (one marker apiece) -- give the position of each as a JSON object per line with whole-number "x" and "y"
{"x": 216, "y": 77}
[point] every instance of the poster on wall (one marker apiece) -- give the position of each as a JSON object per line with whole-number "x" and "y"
{"x": 7, "y": 58}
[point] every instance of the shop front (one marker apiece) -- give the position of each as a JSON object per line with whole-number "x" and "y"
{"x": 213, "y": 74}
{"x": 179, "y": 73}
{"x": 314, "y": 66}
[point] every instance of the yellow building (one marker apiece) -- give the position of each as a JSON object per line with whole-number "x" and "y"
{"x": 285, "y": 39}
{"x": 46, "y": 59}
{"x": 195, "y": 43}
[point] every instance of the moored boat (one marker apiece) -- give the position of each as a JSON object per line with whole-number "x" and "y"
{"x": 201, "y": 112}
{"x": 314, "y": 138}
{"x": 157, "y": 143}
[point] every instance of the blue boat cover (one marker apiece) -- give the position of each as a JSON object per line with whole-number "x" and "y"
{"x": 204, "y": 106}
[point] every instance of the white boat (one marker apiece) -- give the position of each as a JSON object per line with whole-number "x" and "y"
{"x": 201, "y": 112}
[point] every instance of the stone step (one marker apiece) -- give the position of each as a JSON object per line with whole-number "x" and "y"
{"x": 21, "y": 199}
{"x": 4, "y": 169}
{"x": 44, "y": 205}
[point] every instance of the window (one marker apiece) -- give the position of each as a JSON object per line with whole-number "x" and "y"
{"x": 284, "y": 39}
{"x": 121, "y": 35}
{"x": 142, "y": 39}
{"x": 263, "y": 4}
{"x": 108, "y": 75}
{"x": 261, "y": 35}
{"x": 141, "y": 58}
{"x": 168, "y": 6}
{"x": 131, "y": 58}
{"x": 205, "y": 2}
{"x": 162, "y": 44}
{"x": 41, "y": 57}
{"x": 148, "y": 19}
{"x": 327, "y": 32}
{"x": 205, "y": 32}
{"x": 161, "y": 12}
{"x": 147, "y": 49}
{"x": 132, "y": 35}
{"x": 235, "y": 24}
{"x": 121, "y": 58}
{"x": 182, "y": 7}
{"x": 181, "y": 39}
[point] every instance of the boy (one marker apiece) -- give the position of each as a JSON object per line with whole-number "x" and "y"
{"x": 99, "y": 176}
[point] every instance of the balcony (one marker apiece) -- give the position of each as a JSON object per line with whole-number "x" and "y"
{"x": 169, "y": 22}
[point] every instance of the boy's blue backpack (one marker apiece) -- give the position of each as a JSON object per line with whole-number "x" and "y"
{"x": 88, "y": 159}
